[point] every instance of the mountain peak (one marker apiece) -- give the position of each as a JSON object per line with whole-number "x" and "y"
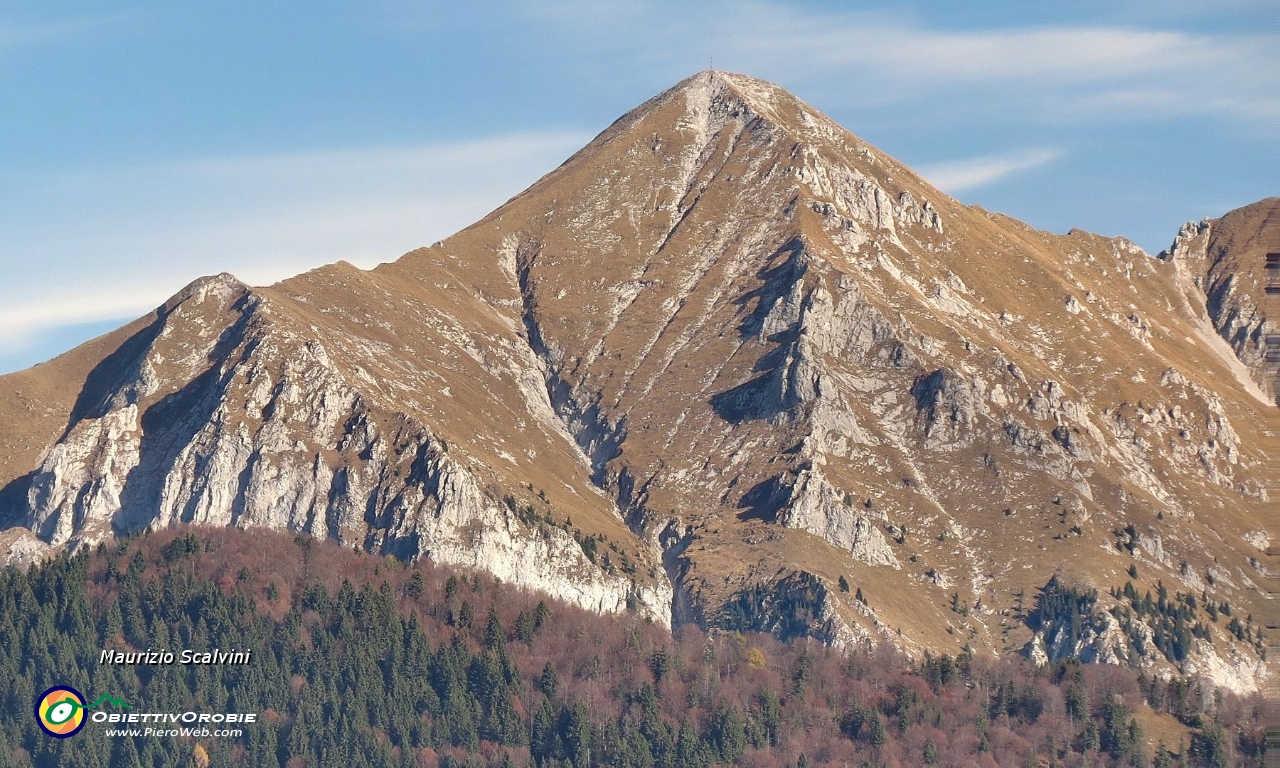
{"x": 754, "y": 149}
{"x": 718, "y": 85}
{"x": 722, "y": 360}
{"x": 712, "y": 98}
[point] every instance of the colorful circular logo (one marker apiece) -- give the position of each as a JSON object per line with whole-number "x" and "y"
{"x": 60, "y": 711}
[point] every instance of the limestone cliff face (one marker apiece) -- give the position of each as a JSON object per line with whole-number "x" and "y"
{"x": 816, "y": 506}
{"x": 230, "y": 417}
{"x": 724, "y": 359}
{"x": 1106, "y": 639}
{"x": 1223, "y": 262}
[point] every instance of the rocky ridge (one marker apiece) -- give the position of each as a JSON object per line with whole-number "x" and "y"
{"x": 1221, "y": 263}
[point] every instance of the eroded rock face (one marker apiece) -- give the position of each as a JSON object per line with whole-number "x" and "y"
{"x": 726, "y": 347}
{"x": 1110, "y": 633}
{"x": 948, "y": 407}
{"x": 1224, "y": 260}
{"x": 819, "y": 508}
{"x": 271, "y": 434}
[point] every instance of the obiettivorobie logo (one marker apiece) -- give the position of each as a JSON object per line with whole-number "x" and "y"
{"x": 60, "y": 710}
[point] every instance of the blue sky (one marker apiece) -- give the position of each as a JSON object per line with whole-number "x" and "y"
{"x": 143, "y": 144}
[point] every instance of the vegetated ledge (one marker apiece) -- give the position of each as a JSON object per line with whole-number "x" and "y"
{"x": 363, "y": 660}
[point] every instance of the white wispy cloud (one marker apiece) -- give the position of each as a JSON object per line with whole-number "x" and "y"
{"x": 1059, "y": 54}
{"x": 22, "y": 321}
{"x": 884, "y": 57}
{"x": 22, "y": 34}
{"x": 970, "y": 173}
{"x": 122, "y": 240}
{"x": 1205, "y": 71}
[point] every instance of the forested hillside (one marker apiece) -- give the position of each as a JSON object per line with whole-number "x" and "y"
{"x": 363, "y": 661}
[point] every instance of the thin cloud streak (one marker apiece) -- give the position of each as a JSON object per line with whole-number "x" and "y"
{"x": 1127, "y": 104}
{"x": 961, "y": 175}
{"x": 20, "y": 323}
{"x": 13, "y": 35}
{"x": 879, "y": 58}
{"x": 1056, "y": 54}
{"x": 1042, "y": 64}
{"x": 262, "y": 218}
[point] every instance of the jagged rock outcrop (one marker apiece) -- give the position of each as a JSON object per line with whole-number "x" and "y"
{"x": 795, "y": 605}
{"x": 726, "y": 349}
{"x": 1223, "y": 261}
{"x": 1109, "y": 632}
{"x": 264, "y": 430}
{"x": 817, "y": 507}
{"x": 948, "y": 407}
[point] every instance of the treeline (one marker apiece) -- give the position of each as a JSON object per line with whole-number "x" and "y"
{"x": 362, "y": 661}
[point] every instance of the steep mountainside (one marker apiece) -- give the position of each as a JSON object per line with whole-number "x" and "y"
{"x": 1224, "y": 260}
{"x": 723, "y": 361}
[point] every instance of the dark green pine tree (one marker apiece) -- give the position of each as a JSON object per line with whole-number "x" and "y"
{"x": 726, "y": 731}
{"x": 548, "y": 682}
{"x": 770, "y": 712}
{"x": 507, "y": 726}
{"x": 525, "y": 627}
{"x": 495, "y": 637}
{"x": 653, "y": 728}
{"x": 575, "y": 734}
{"x": 125, "y": 754}
{"x": 691, "y": 752}
{"x": 1115, "y": 730}
{"x": 543, "y": 738}
{"x": 541, "y": 615}
{"x": 1077, "y": 697}
{"x": 152, "y": 753}
{"x": 1209, "y": 747}
{"x": 1162, "y": 759}
{"x": 299, "y": 743}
